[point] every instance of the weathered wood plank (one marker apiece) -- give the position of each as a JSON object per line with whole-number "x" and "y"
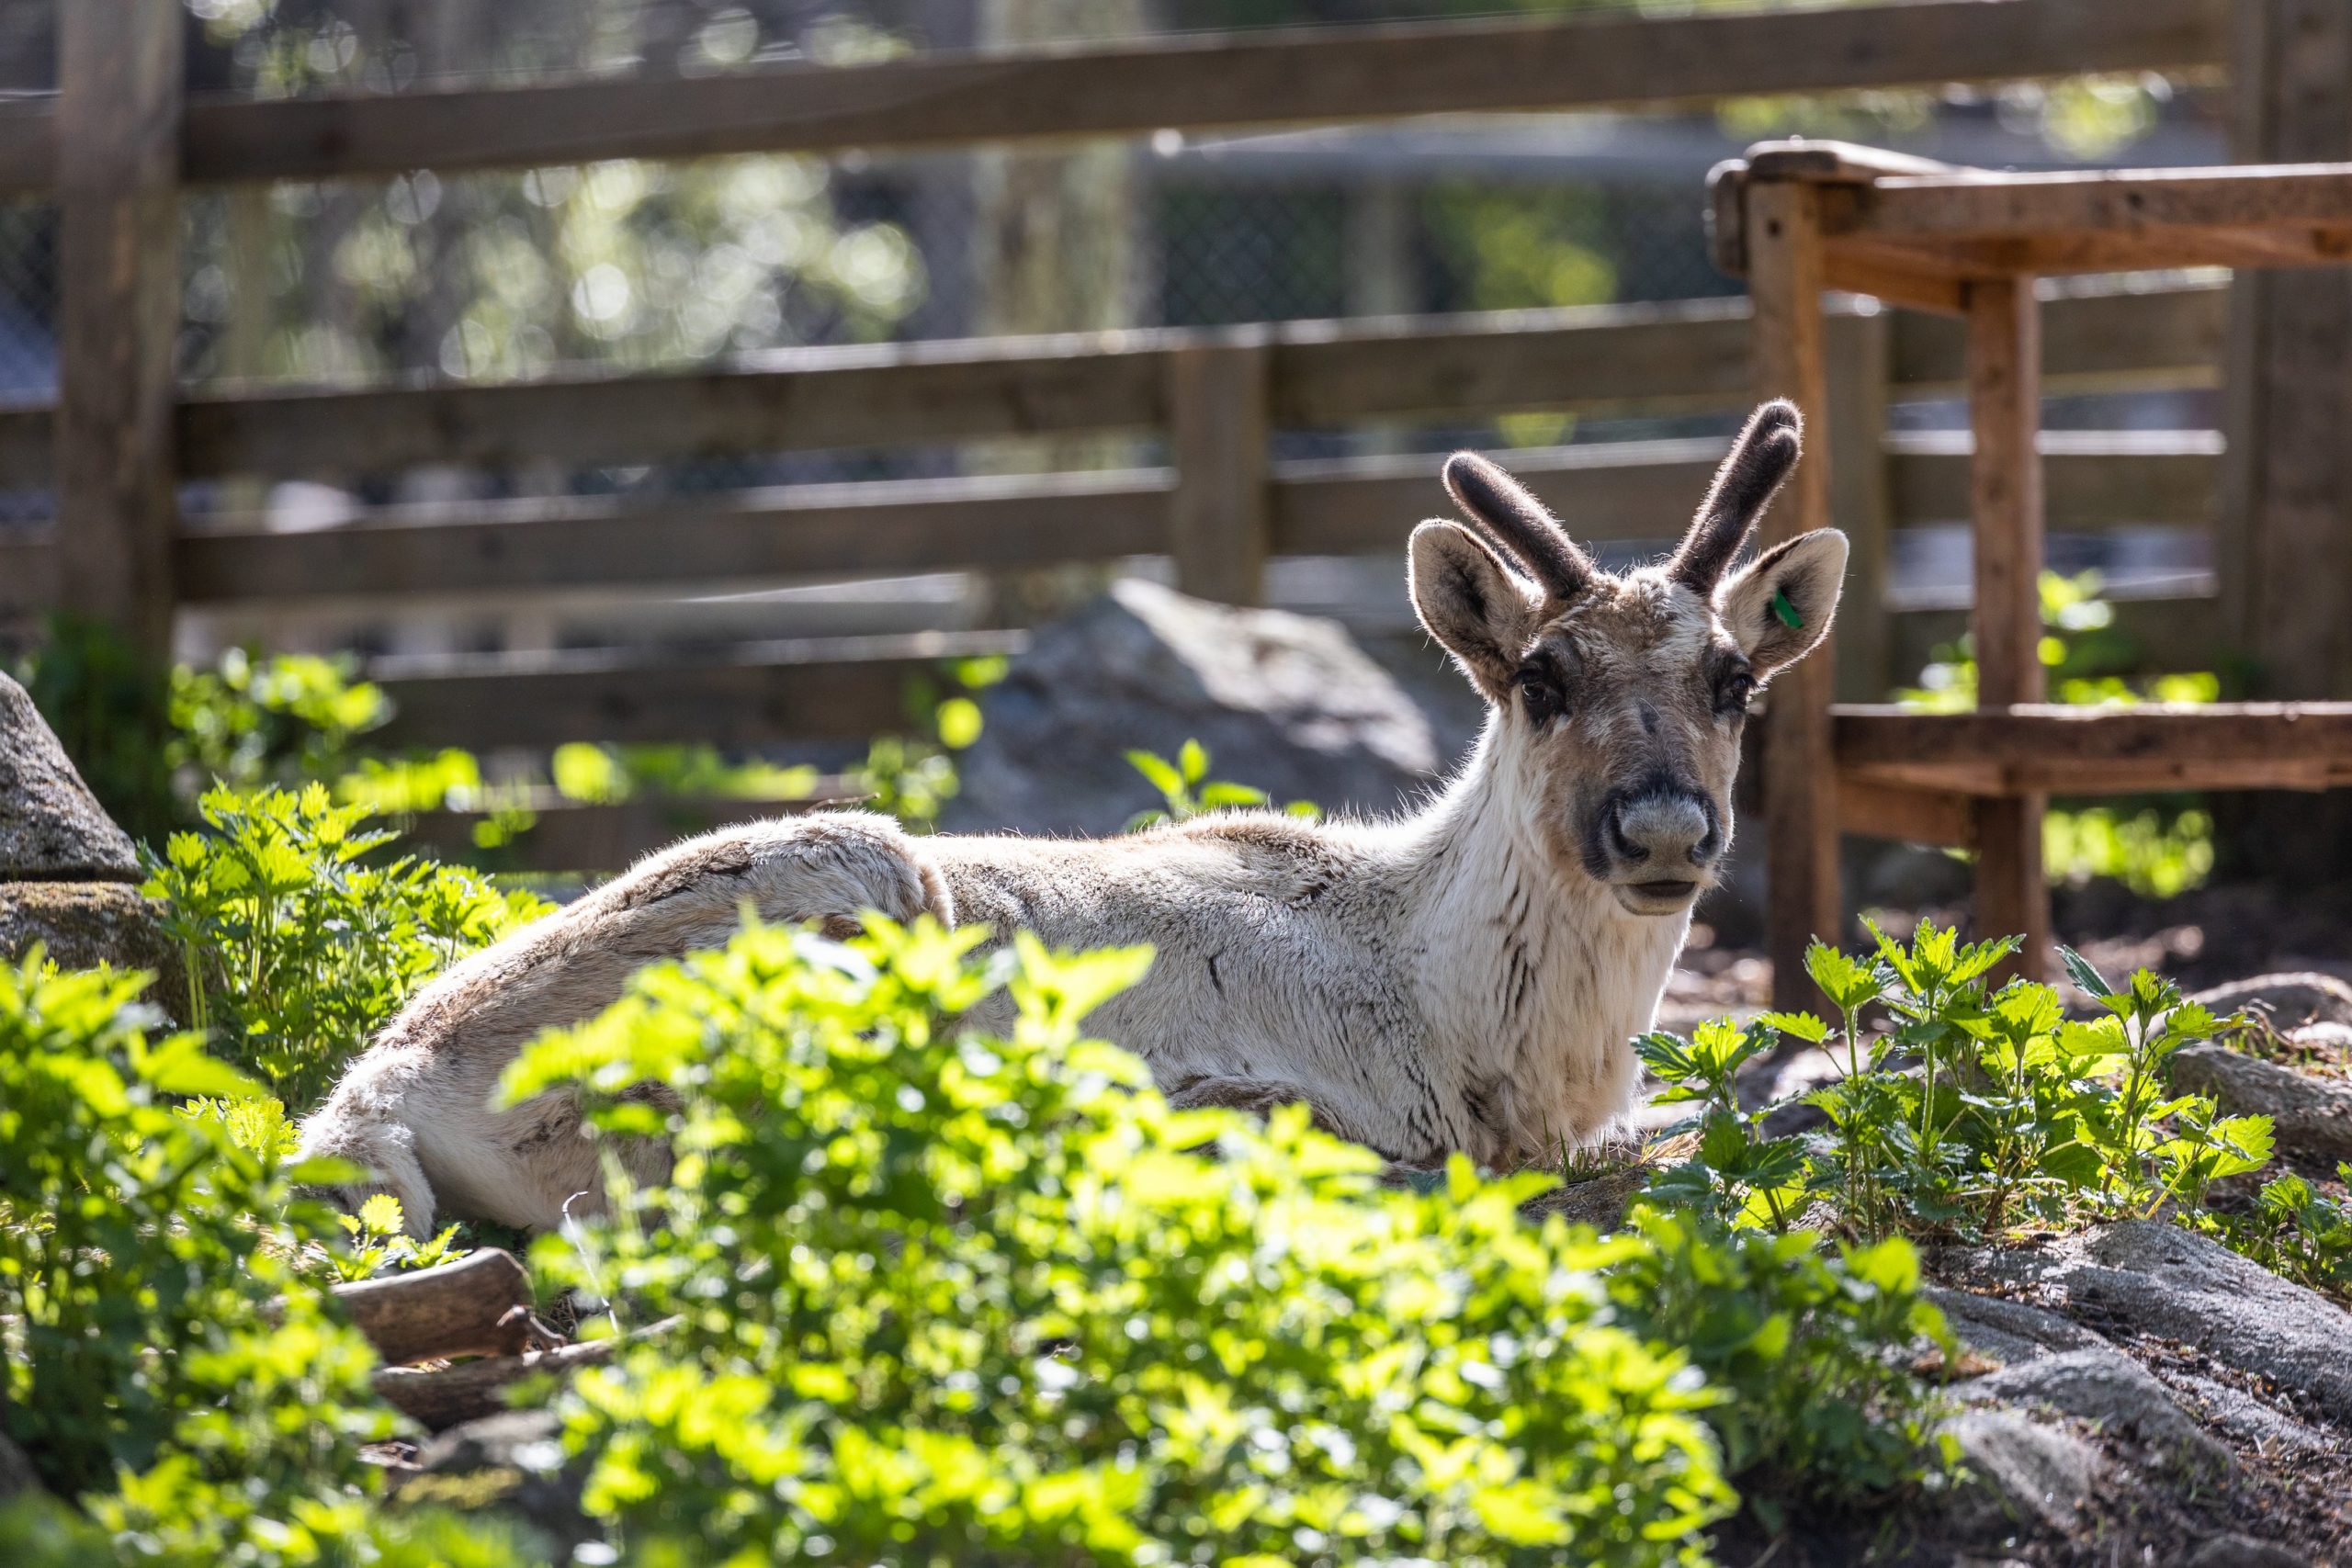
{"x": 1870, "y": 809}
{"x": 1218, "y": 436}
{"x": 1613, "y": 359}
{"x": 2006, "y": 510}
{"x": 799, "y": 400}
{"x": 2029, "y": 748}
{"x": 1784, "y": 256}
{"x": 2285, "y": 201}
{"x": 1195, "y": 83}
{"x": 500, "y": 548}
{"x": 818, "y": 689}
{"x": 118, "y": 313}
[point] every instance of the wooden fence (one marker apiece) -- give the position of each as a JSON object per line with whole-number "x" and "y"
{"x": 118, "y": 144}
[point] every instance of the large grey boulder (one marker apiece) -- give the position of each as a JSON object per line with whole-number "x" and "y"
{"x": 1283, "y": 701}
{"x": 2311, "y": 1114}
{"x": 2140, "y": 1277}
{"x": 68, "y": 875}
{"x": 51, "y": 827}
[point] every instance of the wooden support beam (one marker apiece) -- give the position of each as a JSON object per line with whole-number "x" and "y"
{"x": 1219, "y": 439}
{"x": 1784, "y": 257}
{"x": 2005, "y": 483}
{"x": 1997, "y": 753}
{"x": 118, "y": 313}
{"x": 1910, "y": 814}
{"x": 1860, "y": 349}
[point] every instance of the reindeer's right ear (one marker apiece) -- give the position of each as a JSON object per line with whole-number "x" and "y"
{"x": 1471, "y": 603}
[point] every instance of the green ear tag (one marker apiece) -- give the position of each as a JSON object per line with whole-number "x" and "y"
{"x": 1785, "y": 611}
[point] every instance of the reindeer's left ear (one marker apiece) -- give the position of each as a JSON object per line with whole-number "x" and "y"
{"x": 1780, "y": 606}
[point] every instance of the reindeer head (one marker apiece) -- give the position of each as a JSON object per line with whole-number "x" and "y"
{"x": 1618, "y": 701}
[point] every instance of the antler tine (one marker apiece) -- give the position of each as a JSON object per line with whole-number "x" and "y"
{"x": 1510, "y": 516}
{"x": 1759, "y": 463}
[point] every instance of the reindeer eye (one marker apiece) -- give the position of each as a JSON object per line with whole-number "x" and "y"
{"x": 1542, "y": 699}
{"x": 1737, "y": 692}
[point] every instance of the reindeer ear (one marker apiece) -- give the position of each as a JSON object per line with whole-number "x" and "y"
{"x": 1779, "y": 606}
{"x": 1470, "y": 601}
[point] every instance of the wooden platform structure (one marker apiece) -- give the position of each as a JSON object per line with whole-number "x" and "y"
{"x": 1799, "y": 217}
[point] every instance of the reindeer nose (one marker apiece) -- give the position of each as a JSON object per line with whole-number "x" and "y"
{"x": 1665, "y": 829}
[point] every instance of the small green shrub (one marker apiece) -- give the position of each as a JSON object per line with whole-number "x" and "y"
{"x": 1971, "y": 1113}
{"x": 2297, "y": 1231}
{"x": 167, "y": 1367}
{"x": 1810, "y": 1343}
{"x": 300, "y": 939}
{"x": 946, "y": 1297}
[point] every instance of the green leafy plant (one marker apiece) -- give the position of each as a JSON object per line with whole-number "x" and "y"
{"x": 378, "y": 1242}
{"x": 1186, "y": 791}
{"x": 300, "y": 939}
{"x": 2299, "y": 1232}
{"x": 984, "y": 1298}
{"x": 1812, "y": 1344}
{"x": 160, "y": 1344}
{"x": 1971, "y": 1112}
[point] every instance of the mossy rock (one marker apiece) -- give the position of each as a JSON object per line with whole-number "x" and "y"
{"x": 84, "y": 924}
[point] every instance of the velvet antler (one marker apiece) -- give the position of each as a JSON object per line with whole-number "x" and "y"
{"x": 1510, "y": 517}
{"x": 1759, "y": 461}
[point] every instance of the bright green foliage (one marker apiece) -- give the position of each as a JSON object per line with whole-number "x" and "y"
{"x": 953, "y": 1298}
{"x": 1972, "y": 1111}
{"x": 2297, "y": 1231}
{"x": 167, "y": 1365}
{"x": 300, "y": 941}
{"x": 378, "y": 1242}
{"x": 283, "y": 719}
{"x": 1809, "y": 1343}
{"x": 1186, "y": 791}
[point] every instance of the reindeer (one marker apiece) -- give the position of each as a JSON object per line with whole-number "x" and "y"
{"x": 1466, "y": 977}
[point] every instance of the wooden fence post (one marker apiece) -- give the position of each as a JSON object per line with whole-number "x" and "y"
{"x": 118, "y": 312}
{"x": 2004, "y": 508}
{"x": 1218, "y": 432}
{"x": 1860, "y": 349}
{"x": 2285, "y": 531}
{"x": 1800, "y": 771}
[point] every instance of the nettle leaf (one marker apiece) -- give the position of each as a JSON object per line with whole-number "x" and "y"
{"x": 2085, "y": 973}
{"x": 1158, "y": 771}
{"x": 1803, "y": 1025}
{"x": 2077, "y": 1163}
{"x": 1194, "y": 759}
{"x": 1977, "y": 957}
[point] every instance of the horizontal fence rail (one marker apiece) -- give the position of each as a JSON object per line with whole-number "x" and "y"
{"x": 1200, "y": 83}
{"x": 1605, "y": 359}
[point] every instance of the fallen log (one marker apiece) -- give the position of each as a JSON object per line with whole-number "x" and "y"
{"x": 478, "y": 1306}
{"x": 450, "y": 1396}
